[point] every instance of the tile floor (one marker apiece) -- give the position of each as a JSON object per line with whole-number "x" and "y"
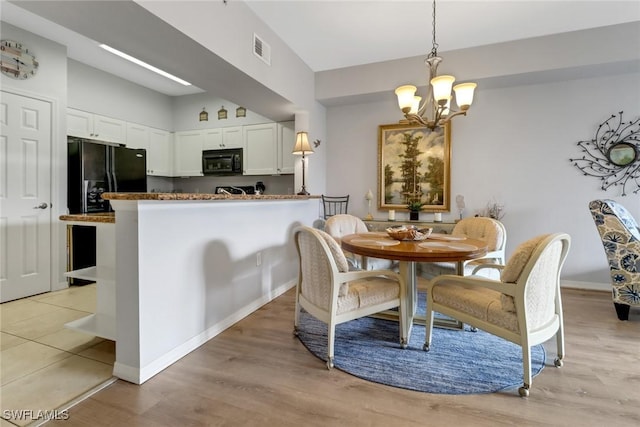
{"x": 43, "y": 365}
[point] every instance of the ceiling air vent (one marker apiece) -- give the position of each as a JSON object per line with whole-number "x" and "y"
{"x": 261, "y": 49}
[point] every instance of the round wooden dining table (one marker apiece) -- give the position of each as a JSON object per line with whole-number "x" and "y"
{"x": 436, "y": 248}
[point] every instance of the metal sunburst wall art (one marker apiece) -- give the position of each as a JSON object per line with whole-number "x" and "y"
{"x": 613, "y": 155}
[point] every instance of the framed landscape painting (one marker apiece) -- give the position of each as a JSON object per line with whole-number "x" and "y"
{"x": 414, "y": 166}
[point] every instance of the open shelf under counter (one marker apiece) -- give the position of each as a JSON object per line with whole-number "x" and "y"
{"x": 99, "y": 324}
{"x": 95, "y": 273}
{"x": 103, "y": 322}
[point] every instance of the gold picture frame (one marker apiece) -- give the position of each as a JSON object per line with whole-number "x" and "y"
{"x": 414, "y": 165}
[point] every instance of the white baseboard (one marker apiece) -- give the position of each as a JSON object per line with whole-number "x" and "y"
{"x": 588, "y": 286}
{"x": 140, "y": 375}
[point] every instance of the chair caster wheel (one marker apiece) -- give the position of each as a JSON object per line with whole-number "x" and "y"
{"x": 426, "y": 347}
{"x": 558, "y": 362}
{"x": 330, "y": 363}
{"x": 524, "y": 391}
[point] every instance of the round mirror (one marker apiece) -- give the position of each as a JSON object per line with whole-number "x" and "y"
{"x": 622, "y": 154}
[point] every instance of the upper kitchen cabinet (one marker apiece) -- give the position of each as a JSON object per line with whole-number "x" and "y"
{"x": 187, "y": 149}
{"x": 160, "y": 158}
{"x": 232, "y": 137}
{"x": 286, "y": 141}
{"x": 93, "y": 126}
{"x": 157, "y": 143}
{"x": 260, "y": 149}
{"x": 223, "y": 138}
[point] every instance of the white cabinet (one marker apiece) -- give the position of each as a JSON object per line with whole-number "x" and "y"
{"x": 222, "y": 138}
{"x": 232, "y": 137}
{"x": 94, "y": 126}
{"x": 187, "y": 149}
{"x": 157, "y": 143}
{"x": 286, "y": 141}
{"x": 260, "y": 149}
{"x": 160, "y": 153}
{"x": 212, "y": 139}
{"x": 137, "y": 136}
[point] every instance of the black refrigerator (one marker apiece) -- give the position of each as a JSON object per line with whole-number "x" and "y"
{"x": 93, "y": 168}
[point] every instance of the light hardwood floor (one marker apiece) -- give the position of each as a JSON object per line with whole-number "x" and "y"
{"x": 257, "y": 374}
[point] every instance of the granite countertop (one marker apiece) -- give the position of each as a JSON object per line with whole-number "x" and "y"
{"x": 202, "y": 196}
{"x": 103, "y": 217}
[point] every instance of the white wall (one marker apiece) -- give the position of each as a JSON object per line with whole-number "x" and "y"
{"x": 95, "y": 91}
{"x": 186, "y": 113}
{"x": 514, "y": 147}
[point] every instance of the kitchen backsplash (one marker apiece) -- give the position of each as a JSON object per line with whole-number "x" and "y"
{"x": 206, "y": 184}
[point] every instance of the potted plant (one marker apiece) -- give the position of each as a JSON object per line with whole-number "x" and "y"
{"x": 414, "y": 207}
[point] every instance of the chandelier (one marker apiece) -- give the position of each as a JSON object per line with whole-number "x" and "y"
{"x": 436, "y": 109}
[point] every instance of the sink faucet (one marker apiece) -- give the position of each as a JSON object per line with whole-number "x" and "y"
{"x": 244, "y": 193}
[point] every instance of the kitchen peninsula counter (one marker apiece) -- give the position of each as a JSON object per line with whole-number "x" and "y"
{"x": 203, "y": 196}
{"x": 190, "y": 265}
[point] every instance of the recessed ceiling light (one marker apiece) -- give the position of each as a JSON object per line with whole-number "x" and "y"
{"x": 144, "y": 64}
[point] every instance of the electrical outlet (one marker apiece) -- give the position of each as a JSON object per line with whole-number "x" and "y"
{"x": 259, "y": 258}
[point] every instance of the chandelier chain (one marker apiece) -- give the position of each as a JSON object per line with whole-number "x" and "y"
{"x": 434, "y": 46}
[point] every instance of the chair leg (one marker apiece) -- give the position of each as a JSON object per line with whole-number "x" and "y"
{"x": 428, "y": 323}
{"x": 622, "y": 310}
{"x": 526, "y": 364}
{"x": 404, "y": 339}
{"x": 558, "y": 362}
{"x": 331, "y": 335}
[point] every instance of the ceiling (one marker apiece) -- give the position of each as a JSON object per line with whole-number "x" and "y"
{"x": 334, "y": 34}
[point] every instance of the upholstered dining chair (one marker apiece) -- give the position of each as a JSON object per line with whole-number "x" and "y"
{"x": 523, "y": 307}
{"x": 334, "y": 205}
{"x": 486, "y": 229}
{"x": 344, "y": 224}
{"x": 332, "y": 294}
{"x": 620, "y": 237}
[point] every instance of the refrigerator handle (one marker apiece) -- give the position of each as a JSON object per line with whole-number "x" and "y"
{"x": 111, "y": 178}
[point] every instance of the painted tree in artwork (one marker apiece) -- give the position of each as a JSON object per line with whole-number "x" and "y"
{"x": 388, "y": 179}
{"x": 409, "y": 168}
{"x": 435, "y": 178}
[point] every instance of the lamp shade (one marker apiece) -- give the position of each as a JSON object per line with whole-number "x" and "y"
{"x": 442, "y": 88}
{"x": 302, "y": 144}
{"x": 406, "y": 96}
{"x": 464, "y": 94}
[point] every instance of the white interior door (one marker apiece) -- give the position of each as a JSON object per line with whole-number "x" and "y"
{"x": 25, "y": 196}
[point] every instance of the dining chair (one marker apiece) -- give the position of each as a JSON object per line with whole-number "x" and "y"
{"x": 523, "y": 307}
{"x": 341, "y": 225}
{"x": 620, "y": 237}
{"x": 331, "y": 293}
{"x": 334, "y": 205}
{"x": 489, "y": 230}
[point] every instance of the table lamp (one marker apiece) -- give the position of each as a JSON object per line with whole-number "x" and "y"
{"x": 302, "y": 147}
{"x": 369, "y": 197}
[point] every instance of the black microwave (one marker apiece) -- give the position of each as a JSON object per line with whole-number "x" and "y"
{"x": 222, "y": 162}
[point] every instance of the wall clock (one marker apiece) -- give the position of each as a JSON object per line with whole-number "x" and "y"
{"x": 16, "y": 60}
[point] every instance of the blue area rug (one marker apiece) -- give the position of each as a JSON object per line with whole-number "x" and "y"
{"x": 459, "y": 362}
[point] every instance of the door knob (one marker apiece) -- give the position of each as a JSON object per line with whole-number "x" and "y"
{"x": 42, "y": 205}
